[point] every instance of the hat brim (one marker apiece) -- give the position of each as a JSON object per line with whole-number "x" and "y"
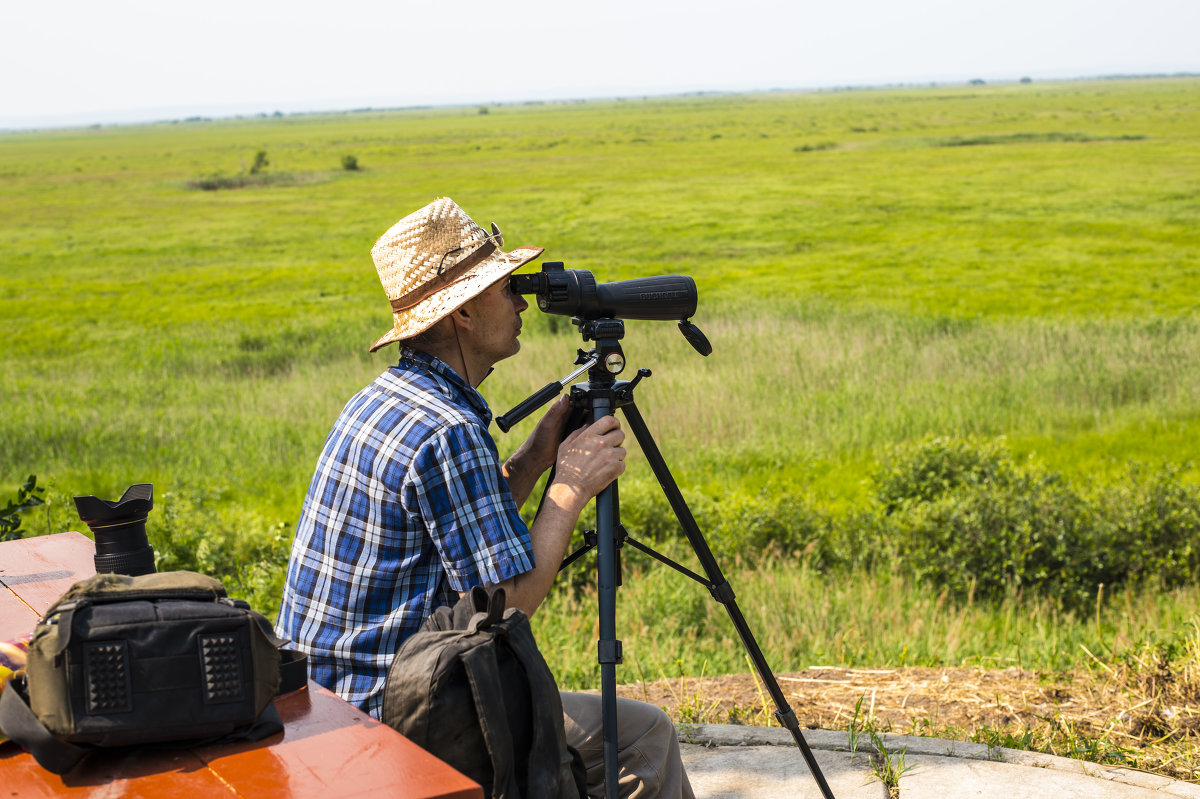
{"x": 422, "y": 316}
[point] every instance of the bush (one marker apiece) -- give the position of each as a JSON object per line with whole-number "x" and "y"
{"x": 246, "y": 553}
{"x": 260, "y": 162}
{"x": 987, "y": 538}
{"x": 813, "y": 148}
{"x": 1155, "y": 526}
{"x": 350, "y": 163}
{"x": 936, "y": 466}
{"x": 733, "y": 526}
{"x": 960, "y": 515}
{"x": 29, "y": 495}
{"x": 963, "y": 515}
{"x": 219, "y": 180}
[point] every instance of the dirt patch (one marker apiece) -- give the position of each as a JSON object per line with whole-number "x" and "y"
{"x": 1101, "y": 716}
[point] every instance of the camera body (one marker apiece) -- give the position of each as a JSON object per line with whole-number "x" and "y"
{"x": 575, "y": 292}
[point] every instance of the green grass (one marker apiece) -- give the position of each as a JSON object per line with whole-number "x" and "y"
{"x": 800, "y": 618}
{"x": 875, "y": 267}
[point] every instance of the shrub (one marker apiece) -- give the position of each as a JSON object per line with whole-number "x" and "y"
{"x": 219, "y": 180}
{"x": 260, "y": 162}
{"x": 246, "y": 553}
{"x": 1028, "y": 531}
{"x": 964, "y": 515}
{"x": 1155, "y": 526}
{"x": 350, "y": 163}
{"x": 29, "y": 495}
{"x": 936, "y": 466}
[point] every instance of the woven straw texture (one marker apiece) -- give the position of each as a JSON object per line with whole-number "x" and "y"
{"x": 408, "y": 256}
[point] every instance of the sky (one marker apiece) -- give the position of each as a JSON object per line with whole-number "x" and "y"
{"x": 74, "y": 62}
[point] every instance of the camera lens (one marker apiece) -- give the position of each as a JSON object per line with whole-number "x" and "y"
{"x": 120, "y": 530}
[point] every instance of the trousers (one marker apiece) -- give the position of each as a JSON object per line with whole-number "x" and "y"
{"x": 648, "y": 763}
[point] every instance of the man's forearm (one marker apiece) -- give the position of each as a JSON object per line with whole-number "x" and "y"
{"x": 551, "y": 534}
{"x": 520, "y": 481}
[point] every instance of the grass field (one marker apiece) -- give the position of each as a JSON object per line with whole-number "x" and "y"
{"x": 875, "y": 267}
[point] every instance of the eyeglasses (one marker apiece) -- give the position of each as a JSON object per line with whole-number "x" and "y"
{"x": 495, "y": 237}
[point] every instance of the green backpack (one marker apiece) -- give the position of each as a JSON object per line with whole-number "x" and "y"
{"x": 472, "y": 688}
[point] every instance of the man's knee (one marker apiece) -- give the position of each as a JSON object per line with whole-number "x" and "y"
{"x": 643, "y": 720}
{"x": 635, "y": 720}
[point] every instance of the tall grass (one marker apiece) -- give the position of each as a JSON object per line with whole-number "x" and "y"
{"x": 669, "y": 625}
{"x": 802, "y": 404}
{"x": 802, "y": 399}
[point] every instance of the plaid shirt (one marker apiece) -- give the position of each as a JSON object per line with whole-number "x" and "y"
{"x": 408, "y": 497}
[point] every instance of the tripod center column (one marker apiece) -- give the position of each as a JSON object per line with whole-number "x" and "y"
{"x": 602, "y": 402}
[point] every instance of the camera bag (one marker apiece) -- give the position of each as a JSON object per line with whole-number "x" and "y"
{"x": 472, "y": 688}
{"x": 157, "y": 658}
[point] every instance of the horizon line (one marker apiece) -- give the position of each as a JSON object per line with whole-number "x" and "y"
{"x": 174, "y": 116}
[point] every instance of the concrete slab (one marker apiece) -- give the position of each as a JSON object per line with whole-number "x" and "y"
{"x": 733, "y": 762}
{"x": 776, "y": 772}
{"x": 934, "y": 776}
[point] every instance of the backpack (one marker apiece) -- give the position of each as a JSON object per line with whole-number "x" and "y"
{"x": 472, "y": 689}
{"x": 157, "y": 658}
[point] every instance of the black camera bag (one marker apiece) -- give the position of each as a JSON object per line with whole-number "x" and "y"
{"x": 161, "y": 657}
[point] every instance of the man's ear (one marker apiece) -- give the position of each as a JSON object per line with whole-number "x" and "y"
{"x": 463, "y": 318}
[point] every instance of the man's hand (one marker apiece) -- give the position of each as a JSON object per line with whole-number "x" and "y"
{"x": 538, "y": 452}
{"x": 588, "y": 460}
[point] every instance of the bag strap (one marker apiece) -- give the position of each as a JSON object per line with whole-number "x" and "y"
{"x": 483, "y": 674}
{"x": 293, "y": 671}
{"x": 546, "y": 756}
{"x": 488, "y": 608}
{"x": 549, "y": 747}
{"x": 22, "y": 726}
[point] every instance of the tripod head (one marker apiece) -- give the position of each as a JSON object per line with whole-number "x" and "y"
{"x": 603, "y": 363}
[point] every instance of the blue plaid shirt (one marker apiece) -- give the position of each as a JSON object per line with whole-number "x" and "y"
{"x": 407, "y": 498}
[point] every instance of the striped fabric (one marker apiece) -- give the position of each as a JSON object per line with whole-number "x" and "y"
{"x": 407, "y": 497}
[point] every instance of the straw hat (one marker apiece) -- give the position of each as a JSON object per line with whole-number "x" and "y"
{"x": 434, "y": 260}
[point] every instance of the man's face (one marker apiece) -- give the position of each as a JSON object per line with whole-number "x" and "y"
{"x": 498, "y": 312}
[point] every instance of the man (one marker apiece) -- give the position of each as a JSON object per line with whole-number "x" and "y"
{"x": 410, "y": 507}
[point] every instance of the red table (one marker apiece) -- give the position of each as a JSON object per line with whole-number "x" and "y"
{"x": 328, "y": 748}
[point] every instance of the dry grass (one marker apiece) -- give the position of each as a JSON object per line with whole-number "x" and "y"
{"x": 1138, "y": 709}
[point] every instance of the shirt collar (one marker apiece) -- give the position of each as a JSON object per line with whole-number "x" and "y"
{"x": 423, "y": 361}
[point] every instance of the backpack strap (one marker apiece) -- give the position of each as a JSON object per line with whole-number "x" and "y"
{"x": 551, "y": 760}
{"x": 22, "y": 726}
{"x": 483, "y": 674}
{"x": 548, "y": 768}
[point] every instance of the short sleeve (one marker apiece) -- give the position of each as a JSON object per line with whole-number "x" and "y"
{"x": 468, "y": 508}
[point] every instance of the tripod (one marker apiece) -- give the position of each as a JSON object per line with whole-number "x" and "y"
{"x": 601, "y": 396}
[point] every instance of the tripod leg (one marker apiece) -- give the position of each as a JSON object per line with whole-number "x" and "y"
{"x": 720, "y": 588}
{"x": 608, "y": 647}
